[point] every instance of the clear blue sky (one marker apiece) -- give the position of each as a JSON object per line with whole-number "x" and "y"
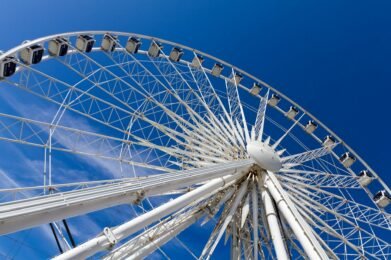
{"x": 332, "y": 57}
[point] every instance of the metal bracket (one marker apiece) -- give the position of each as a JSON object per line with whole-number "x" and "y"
{"x": 140, "y": 197}
{"x": 110, "y": 236}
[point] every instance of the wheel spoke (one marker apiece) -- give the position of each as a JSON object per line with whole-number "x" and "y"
{"x": 261, "y": 117}
{"x": 179, "y": 122}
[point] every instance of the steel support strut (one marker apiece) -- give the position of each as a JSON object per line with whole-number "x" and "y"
{"x": 156, "y": 236}
{"x": 300, "y": 228}
{"x": 274, "y": 225}
{"x": 118, "y": 233}
{"x": 18, "y": 215}
{"x": 254, "y": 199}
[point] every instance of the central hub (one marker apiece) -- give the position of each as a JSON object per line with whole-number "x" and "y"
{"x": 264, "y": 155}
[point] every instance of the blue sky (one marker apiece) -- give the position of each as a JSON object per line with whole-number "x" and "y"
{"x": 332, "y": 57}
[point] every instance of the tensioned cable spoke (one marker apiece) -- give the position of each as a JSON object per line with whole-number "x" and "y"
{"x": 320, "y": 179}
{"x": 298, "y": 159}
{"x": 332, "y": 229}
{"x": 173, "y": 80}
{"x": 275, "y": 145}
{"x": 344, "y": 207}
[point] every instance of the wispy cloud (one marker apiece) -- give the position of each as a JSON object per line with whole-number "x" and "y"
{"x": 107, "y": 168}
{"x": 65, "y": 170}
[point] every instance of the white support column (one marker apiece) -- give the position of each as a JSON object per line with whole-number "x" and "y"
{"x": 147, "y": 242}
{"x": 300, "y": 228}
{"x": 152, "y": 245}
{"x": 103, "y": 242}
{"x": 254, "y": 199}
{"x": 274, "y": 226}
{"x": 235, "y": 246}
{"x": 18, "y": 215}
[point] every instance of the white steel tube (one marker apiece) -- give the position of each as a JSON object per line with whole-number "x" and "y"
{"x": 235, "y": 247}
{"x": 302, "y": 230}
{"x": 27, "y": 213}
{"x": 101, "y": 242}
{"x": 241, "y": 192}
{"x": 274, "y": 227}
{"x": 254, "y": 199}
{"x": 171, "y": 229}
{"x": 169, "y": 234}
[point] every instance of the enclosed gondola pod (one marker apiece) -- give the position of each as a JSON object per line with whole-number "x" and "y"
{"x": 58, "y": 46}
{"x": 176, "y": 54}
{"x": 197, "y": 61}
{"x": 133, "y": 44}
{"x": 255, "y": 89}
{"x": 382, "y": 198}
{"x": 7, "y": 67}
{"x": 217, "y": 69}
{"x": 347, "y": 159}
{"x": 237, "y": 78}
{"x": 311, "y": 126}
{"x": 274, "y": 100}
{"x": 365, "y": 177}
{"x": 85, "y": 43}
{"x": 155, "y": 49}
{"x": 109, "y": 42}
{"x": 32, "y": 54}
{"x": 328, "y": 141}
{"x": 292, "y": 112}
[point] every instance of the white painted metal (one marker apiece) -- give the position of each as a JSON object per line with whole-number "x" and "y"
{"x": 275, "y": 145}
{"x": 301, "y": 158}
{"x": 120, "y": 232}
{"x": 261, "y": 117}
{"x": 197, "y": 131}
{"x": 255, "y": 209}
{"x": 238, "y": 198}
{"x": 162, "y": 232}
{"x": 245, "y": 210}
{"x": 274, "y": 225}
{"x": 265, "y": 156}
{"x": 303, "y": 233}
{"x": 23, "y": 214}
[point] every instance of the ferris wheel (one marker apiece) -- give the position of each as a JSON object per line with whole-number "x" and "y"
{"x": 199, "y": 156}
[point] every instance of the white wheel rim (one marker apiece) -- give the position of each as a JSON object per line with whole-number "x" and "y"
{"x": 156, "y": 106}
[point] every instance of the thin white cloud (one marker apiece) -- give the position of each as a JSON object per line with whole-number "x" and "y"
{"x": 34, "y": 168}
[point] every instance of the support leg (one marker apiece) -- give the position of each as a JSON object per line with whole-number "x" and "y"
{"x": 300, "y": 228}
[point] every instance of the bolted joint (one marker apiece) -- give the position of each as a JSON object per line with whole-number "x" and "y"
{"x": 110, "y": 236}
{"x": 140, "y": 196}
{"x": 207, "y": 209}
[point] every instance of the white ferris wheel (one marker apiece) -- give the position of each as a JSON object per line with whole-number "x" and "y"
{"x": 204, "y": 157}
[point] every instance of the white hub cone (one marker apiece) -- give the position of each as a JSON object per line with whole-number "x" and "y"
{"x": 264, "y": 155}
